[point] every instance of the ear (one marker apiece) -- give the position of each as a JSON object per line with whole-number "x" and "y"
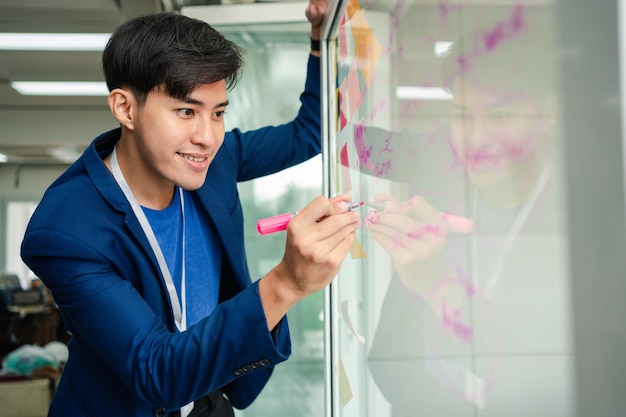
{"x": 123, "y": 105}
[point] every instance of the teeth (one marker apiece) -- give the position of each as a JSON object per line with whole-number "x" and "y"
{"x": 192, "y": 158}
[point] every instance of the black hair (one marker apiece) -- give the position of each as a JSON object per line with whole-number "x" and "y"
{"x": 170, "y": 50}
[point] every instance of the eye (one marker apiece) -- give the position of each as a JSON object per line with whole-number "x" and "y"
{"x": 219, "y": 115}
{"x": 186, "y": 112}
{"x": 460, "y": 117}
{"x": 500, "y": 116}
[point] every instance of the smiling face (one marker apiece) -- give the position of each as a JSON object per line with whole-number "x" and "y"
{"x": 169, "y": 142}
{"x": 497, "y": 137}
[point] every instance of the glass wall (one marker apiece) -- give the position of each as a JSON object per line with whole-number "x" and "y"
{"x": 447, "y": 124}
{"x": 268, "y": 94}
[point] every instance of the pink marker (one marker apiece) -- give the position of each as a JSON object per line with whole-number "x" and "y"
{"x": 279, "y": 222}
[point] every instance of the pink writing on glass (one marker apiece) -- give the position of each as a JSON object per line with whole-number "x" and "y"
{"x": 491, "y": 40}
{"x": 452, "y": 321}
{"x": 363, "y": 151}
{"x": 422, "y": 232}
{"x": 382, "y": 169}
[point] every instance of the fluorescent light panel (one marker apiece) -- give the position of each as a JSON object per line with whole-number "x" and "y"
{"x": 53, "y": 41}
{"x": 3, "y": 158}
{"x": 59, "y": 88}
{"x": 442, "y": 48}
{"x": 422, "y": 93}
{"x": 94, "y": 88}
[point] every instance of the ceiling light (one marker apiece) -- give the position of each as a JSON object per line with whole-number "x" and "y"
{"x": 59, "y": 88}
{"x": 3, "y": 158}
{"x": 67, "y": 154}
{"x": 422, "y": 93}
{"x": 53, "y": 41}
{"x": 442, "y": 48}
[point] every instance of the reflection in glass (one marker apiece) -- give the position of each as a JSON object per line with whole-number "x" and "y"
{"x": 458, "y": 303}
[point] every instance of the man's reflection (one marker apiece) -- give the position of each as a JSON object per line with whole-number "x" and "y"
{"x": 476, "y": 317}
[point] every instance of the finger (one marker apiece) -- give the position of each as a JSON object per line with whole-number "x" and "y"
{"x": 402, "y": 250}
{"x": 326, "y": 242}
{"x": 414, "y": 228}
{"x": 402, "y": 232}
{"x": 425, "y": 210}
{"x": 409, "y": 232}
{"x": 323, "y": 207}
{"x": 458, "y": 224}
{"x": 314, "y": 12}
{"x": 342, "y": 248}
{"x": 321, "y": 219}
{"x": 330, "y": 228}
{"x": 317, "y": 209}
{"x": 338, "y": 221}
{"x": 448, "y": 223}
{"x": 338, "y": 243}
{"x": 420, "y": 208}
{"x": 340, "y": 202}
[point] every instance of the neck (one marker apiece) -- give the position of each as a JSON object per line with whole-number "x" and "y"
{"x": 149, "y": 194}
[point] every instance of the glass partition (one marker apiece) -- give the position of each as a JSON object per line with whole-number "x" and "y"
{"x": 446, "y": 122}
{"x": 268, "y": 94}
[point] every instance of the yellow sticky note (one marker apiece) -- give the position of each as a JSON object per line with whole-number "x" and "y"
{"x": 356, "y": 250}
{"x": 344, "y": 386}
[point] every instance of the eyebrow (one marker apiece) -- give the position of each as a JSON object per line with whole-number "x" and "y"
{"x": 190, "y": 100}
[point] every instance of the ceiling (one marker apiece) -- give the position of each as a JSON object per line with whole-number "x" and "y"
{"x": 48, "y": 130}
{"x": 54, "y": 130}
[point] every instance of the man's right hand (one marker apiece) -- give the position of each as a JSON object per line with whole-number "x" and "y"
{"x": 318, "y": 240}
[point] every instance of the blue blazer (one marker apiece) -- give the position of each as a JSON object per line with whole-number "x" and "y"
{"x": 126, "y": 357}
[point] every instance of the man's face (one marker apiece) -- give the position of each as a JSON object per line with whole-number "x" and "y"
{"x": 176, "y": 140}
{"x": 495, "y": 136}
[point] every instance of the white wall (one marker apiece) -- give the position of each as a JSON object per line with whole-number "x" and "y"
{"x": 26, "y": 183}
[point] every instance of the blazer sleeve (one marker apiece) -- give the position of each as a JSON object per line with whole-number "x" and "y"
{"x": 270, "y": 149}
{"x": 110, "y": 318}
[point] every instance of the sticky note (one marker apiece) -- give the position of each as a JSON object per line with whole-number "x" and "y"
{"x": 356, "y": 250}
{"x": 345, "y": 392}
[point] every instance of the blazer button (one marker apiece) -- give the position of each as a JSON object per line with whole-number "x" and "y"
{"x": 238, "y": 372}
{"x": 246, "y": 368}
{"x": 264, "y": 362}
{"x": 159, "y": 412}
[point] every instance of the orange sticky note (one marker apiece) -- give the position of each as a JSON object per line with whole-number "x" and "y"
{"x": 356, "y": 250}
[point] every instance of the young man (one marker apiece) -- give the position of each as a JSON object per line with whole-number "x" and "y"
{"x": 141, "y": 240}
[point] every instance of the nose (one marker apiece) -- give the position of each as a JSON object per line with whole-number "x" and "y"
{"x": 207, "y": 131}
{"x": 476, "y": 134}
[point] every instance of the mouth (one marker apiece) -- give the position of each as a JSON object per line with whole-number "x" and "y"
{"x": 482, "y": 160}
{"x": 192, "y": 158}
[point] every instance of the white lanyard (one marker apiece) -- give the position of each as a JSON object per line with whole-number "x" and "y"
{"x": 519, "y": 221}
{"x": 180, "y": 315}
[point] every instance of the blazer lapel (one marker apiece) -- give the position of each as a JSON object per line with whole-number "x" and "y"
{"x": 109, "y": 189}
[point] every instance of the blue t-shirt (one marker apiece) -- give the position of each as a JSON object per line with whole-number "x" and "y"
{"x": 203, "y": 254}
